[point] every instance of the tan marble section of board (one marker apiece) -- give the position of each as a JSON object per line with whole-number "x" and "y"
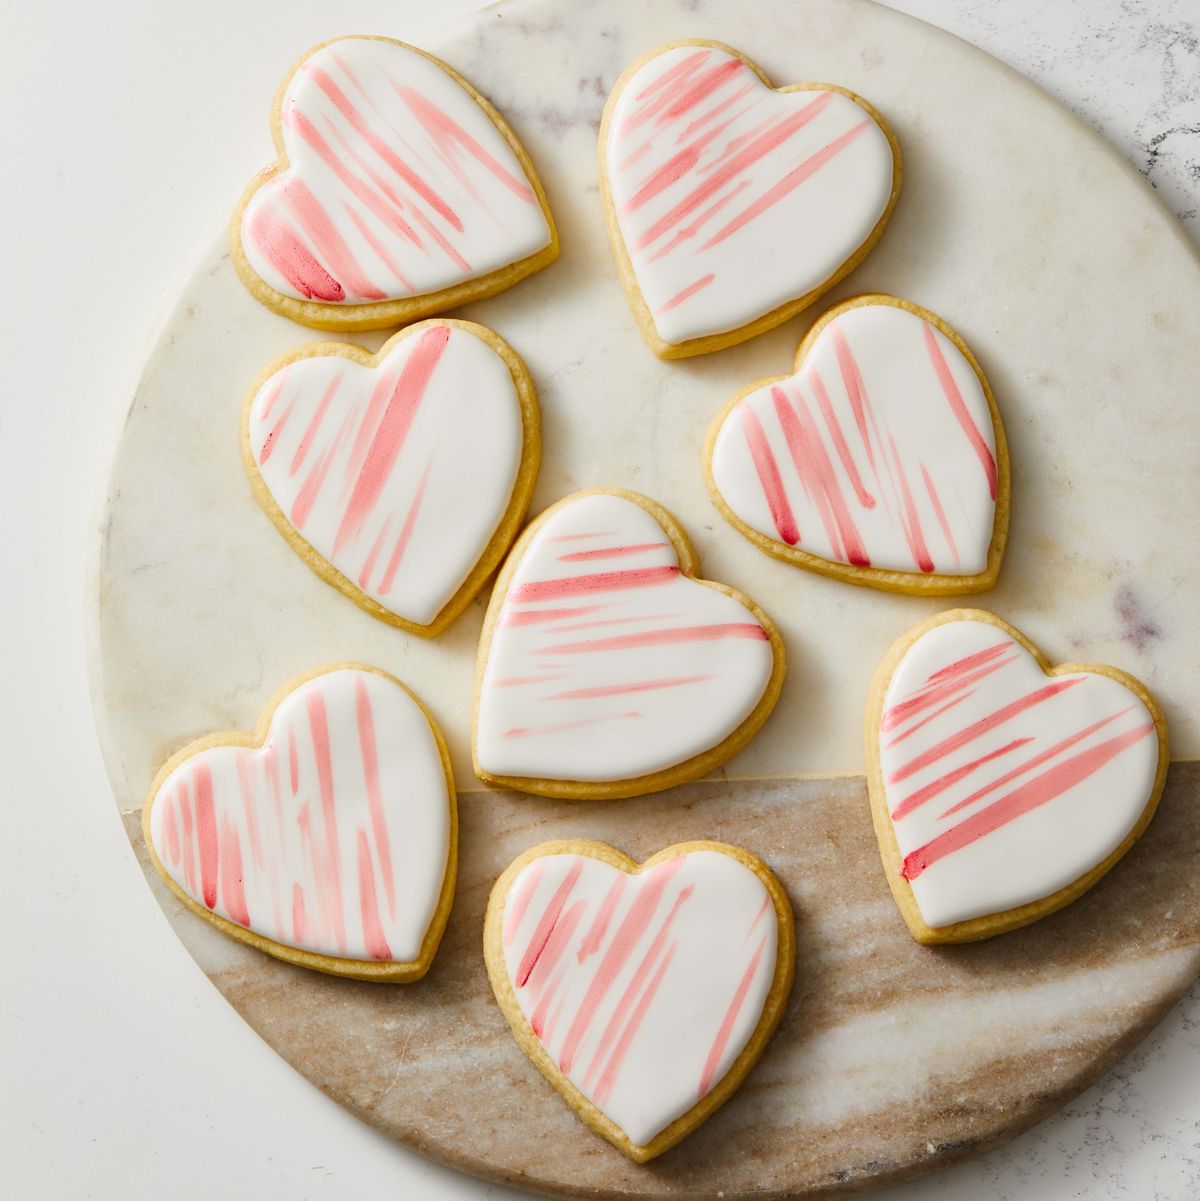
{"x": 892, "y": 1059}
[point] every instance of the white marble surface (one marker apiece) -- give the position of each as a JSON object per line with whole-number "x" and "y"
{"x": 94, "y": 1078}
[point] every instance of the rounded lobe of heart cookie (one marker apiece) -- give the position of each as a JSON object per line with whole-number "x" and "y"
{"x": 1006, "y": 785}
{"x": 732, "y": 198}
{"x": 643, "y": 989}
{"x": 397, "y": 183}
{"x": 879, "y": 452}
{"x": 333, "y": 837}
{"x": 607, "y": 662}
{"x": 399, "y": 474}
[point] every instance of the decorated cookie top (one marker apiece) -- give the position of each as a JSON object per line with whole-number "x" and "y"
{"x": 397, "y": 182}
{"x": 332, "y": 837}
{"x": 642, "y": 989}
{"x": 396, "y": 474}
{"x": 732, "y": 199}
{"x": 1005, "y": 785}
{"x": 880, "y": 452}
{"x": 606, "y": 660}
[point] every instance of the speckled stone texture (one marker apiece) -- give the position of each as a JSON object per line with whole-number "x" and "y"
{"x": 1078, "y": 293}
{"x": 892, "y": 1058}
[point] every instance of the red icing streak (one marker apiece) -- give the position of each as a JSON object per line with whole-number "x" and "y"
{"x": 611, "y": 552}
{"x": 592, "y": 940}
{"x": 365, "y": 720}
{"x": 958, "y": 700}
{"x": 669, "y": 86}
{"x": 185, "y": 809}
{"x": 911, "y": 521}
{"x": 709, "y": 633}
{"x": 381, "y": 148}
{"x": 545, "y": 926}
{"x": 940, "y": 513}
{"x": 268, "y": 443}
{"x": 959, "y": 408}
{"x": 628, "y": 997}
{"x": 727, "y": 1023}
{"x": 518, "y": 903}
{"x": 245, "y": 774}
{"x": 364, "y": 576}
{"x": 284, "y": 250}
{"x": 936, "y": 787}
{"x": 769, "y": 478}
{"x": 171, "y": 833}
{"x": 410, "y": 520}
{"x": 392, "y": 430}
{"x": 293, "y": 763}
{"x": 839, "y": 440}
{"x": 533, "y": 617}
{"x": 582, "y": 694}
{"x": 318, "y": 726}
{"x": 605, "y": 581}
{"x": 673, "y": 170}
{"x": 327, "y": 242}
{"x": 605, "y": 1084}
{"x": 980, "y": 727}
{"x": 789, "y": 183}
{"x": 1039, "y": 791}
{"x": 445, "y": 132}
{"x": 686, "y": 293}
{"x": 298, "y": 913}
{"x": 767, "y": 141}
{"x": 856, "y": 390}
{"x": 373, "y": 935}
{"x": 627, "y": 937}
{"x": 1036, "y": 761}
{"x": 685, "y": 66}
{"x": 206, "y": 832}
{"x": 233, "y": 890}
{"x": 535, "y": 732}
{"x": 816, "y": 472}
{"x": 560, "y": 936}
{"x": 947, "y": 682}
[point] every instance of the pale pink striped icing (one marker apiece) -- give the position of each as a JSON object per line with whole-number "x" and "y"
{"x": 333, "y": 837}
{"x": 643, "y": 989}
{"x": 606, "y": 662}
{"x": 731, "y": 198}
{"x": 879, "y": 452}
{"x": 1006, "y": 785}
{"x": 397, "y": 474}
{"x": 398, "y": 183}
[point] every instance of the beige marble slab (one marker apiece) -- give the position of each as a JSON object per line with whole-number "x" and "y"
{"x": 1080, "y": 296}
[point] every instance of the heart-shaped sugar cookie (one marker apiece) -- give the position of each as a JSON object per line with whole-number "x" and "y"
{"x": 643, "y": 994}
{"x": 400, "y": 477}
{"x": 606, "y": 668}
{"x": 399, "y": 192}
{"x": 328, "y": 838}
{"x": 880, "y": 461}
{"x": 732, "y": 205}
{"x": 1001, "y": 788}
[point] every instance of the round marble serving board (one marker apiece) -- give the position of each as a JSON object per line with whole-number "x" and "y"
{"x": 1081, "y": 298}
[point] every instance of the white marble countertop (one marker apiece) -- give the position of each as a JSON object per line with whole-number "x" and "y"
{"x": 128, "y": 124}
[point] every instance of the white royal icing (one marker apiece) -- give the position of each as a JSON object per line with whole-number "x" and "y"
{"x": 1006, "y": 785}
{"x": 879, "y": 452}
{"x": 643, "y": 989}
{"x": 333, "y": 837}
{"x": 732, "y": 198}
{"x": 398, "y": 474}
{"x": 398, "y": 184}
{"x": 606, "y": 662}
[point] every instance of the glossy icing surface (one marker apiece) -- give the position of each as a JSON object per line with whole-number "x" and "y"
{"x": 879, "y": 452}
{"x": 398, "y": 474}
{"x": 643, "y": 989}
{"x": 732, "y": 198}
{"x": 1006, "y": 785}
{"x": 398, "y": 183}
{"x": 606, "y": 662}
{"x": 332, "y": 837}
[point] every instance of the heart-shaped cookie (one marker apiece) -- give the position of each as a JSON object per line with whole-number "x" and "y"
{"x": 606, "y": 669}
{"x": 400, "y": 477}
{"x": 328, "y": 838}
{"x": 880, "y": 461}
{"x": 399, "y": 191}
{"x": 732, "y": 205}
{"x": 1002, "y": 788}
{"x": 643, "y": 994}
